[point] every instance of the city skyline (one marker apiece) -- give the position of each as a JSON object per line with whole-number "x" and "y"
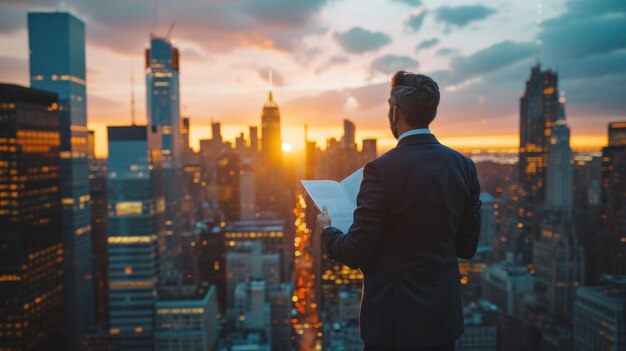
{"x": 342, "y": 69}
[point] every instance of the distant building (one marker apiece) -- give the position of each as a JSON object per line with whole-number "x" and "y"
{"x": 31, "y": 243}
{"x": 559, "y": 187}
{"x": 348, "y": 138}
{"x": 270, "y": 190}
{"x": 247, "y": 192}
{"x": 505, "y": 284}
{"x": 56, "y": 43}
{"x": 186, "y": 319}
{"x": 560, "y": 268}
{"x": 228, "y": 185}
{"x": 248, "y": 262}
{"x": 280, "y": 316}
{"x": 369, "y": 149}
{"x": 480, "y": 328}
{"x": 135, "y": 233}
{"x": 599, "y": 315}
{"x": 614, "y": 199}
{"x": 487, "y": 220}
{"x": 252, "y": 312}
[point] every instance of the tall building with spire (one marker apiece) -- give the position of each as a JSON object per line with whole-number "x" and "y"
{"x": 163, "y": 99}
{"x": 539, "y": 111}
{"x": 57, "y": 64}
{"x": 271, "y": 158}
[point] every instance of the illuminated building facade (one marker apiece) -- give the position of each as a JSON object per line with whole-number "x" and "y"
{"x": 163, "y": 99}
{"x": 57, "y": 64}
{"x": 539, "y": 109}
{"x": 270, "y": 233}
{"x": 136, "y": 210}
{"x": 31, "y": 243}
{"x": 271, "y": 189}
{"x": 614, "y": 198}
{"x": 487, "y": 220}
{"x": 228, "y": 185}
{"x": 280, "y": 315}
{"x": 186, "y": 318}
{"x": 505, "y": 284}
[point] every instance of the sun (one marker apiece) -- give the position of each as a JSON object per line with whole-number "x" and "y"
{"x": 287, "y": 147}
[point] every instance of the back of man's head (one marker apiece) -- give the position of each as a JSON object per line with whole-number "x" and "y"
{"x": 417, "y": 96}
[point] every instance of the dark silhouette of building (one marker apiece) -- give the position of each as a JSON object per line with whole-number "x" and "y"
{"x": 31, "y": 243}
{"x": 228, "y": 185}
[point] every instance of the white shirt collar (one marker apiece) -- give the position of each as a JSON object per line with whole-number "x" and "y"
{"x": 414, "y": 132}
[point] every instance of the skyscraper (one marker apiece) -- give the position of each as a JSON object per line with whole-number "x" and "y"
{"x": 228, "y": 185}
{"x": 270, "y": 187}
{"x": 559, "y": 172}
{"x": 539, "y": 110}
{"x": 135, "y": 239}
{"x": 31, "y": 243}
{"x": 614, "y": 199}
{"x": 57, "y": 64}
{"x": 163, "y": 98}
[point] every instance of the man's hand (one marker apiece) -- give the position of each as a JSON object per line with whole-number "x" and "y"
{"x": 323, "y": 219}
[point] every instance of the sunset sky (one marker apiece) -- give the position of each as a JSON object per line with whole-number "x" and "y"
{"x": 332, "y": 59}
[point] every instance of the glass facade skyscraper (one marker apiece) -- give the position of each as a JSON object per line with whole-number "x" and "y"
{"x": 136, "y": 208}
{"x": 163, "y": 99}
{"x": 57, "y": 64}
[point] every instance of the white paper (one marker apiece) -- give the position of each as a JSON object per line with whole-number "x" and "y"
{"x": 338, "y": 198}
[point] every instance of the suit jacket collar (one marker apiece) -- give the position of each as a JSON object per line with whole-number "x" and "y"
{"x": 418, "y": 139}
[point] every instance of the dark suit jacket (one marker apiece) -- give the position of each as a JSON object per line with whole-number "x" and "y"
{"x": 418, "y": 209}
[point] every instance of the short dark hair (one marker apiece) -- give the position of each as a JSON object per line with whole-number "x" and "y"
{"x": 417, "y": 96}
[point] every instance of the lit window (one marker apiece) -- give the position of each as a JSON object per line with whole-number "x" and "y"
{"x": 128, "y": 208}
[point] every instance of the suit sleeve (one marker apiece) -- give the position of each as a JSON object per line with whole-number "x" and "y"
{"x": 468, "y": 234}
{"x": 355, "y": 248}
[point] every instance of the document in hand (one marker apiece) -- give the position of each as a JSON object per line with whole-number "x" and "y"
{"x": 339, "y": 198}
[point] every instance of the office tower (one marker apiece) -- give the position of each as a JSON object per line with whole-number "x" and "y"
{"x": 505, "y": 284}
{"x": 247, "y": 192}
{"x": 57, "y": 64}
{"x": 369, "y": 149}
{"x": 186, "y": 318}
{"x": 185, "y": 149}
{"x": 348, "y": 138}
{"x": 228, "y": 185}
{"x": 539, "y": 109}
{"x": 99, "y": 248}
{"x": 216, "y": 134}
{"x": 246, "y": 262}
{"x": 254, "y": 140}
{"x": 31, "y": 243}
{"x": 270, "y": 187}
{"x": 617, "y": 134}
{"x": 614, "y": 199}
{"x": 559, "y": 263}
{"x": 310, "y": 151}
{"x": 559, "y": 185}
{"x": 211, "y": 258}
{"x": 193, "y": 179}
{"x": 487, "y": 220}
{"x": 344, "y": 333}
{"x": 163, "y": 99}
{"x": 599, "y": 315}
{"x": 252, "y": 313}
{"x": 271, "y": 234}
{"x": 135, "y": 232}
{"x": 280, "y": 314}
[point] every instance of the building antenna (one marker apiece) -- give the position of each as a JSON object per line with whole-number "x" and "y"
{"x": 271, "y": 97}
{"x": 306, "y": 133}
{"x": 169, "y": 31}
{"x": 132, "y": 94}
{"x": 538, "y": 42}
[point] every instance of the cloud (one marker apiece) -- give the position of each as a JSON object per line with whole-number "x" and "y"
{"x": 390, "y": 63}
{"x": 414, "y": 22}
{"x": 359, "y": 40}
{"x": 218, "y": 26}
{"x": 446, "y": 51}
{"x": 277, "y": 78}
{"x": 461, "y": 16}
{"x": 331, "y": 62}
{"x": 490, "y": 59}
{"x": 415, "y": 3}
{"x": 585, "y": 30}
{"x": 427, "y": 44}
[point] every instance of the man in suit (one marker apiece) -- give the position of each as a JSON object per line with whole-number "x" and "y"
{"x": 418, "y": 209}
